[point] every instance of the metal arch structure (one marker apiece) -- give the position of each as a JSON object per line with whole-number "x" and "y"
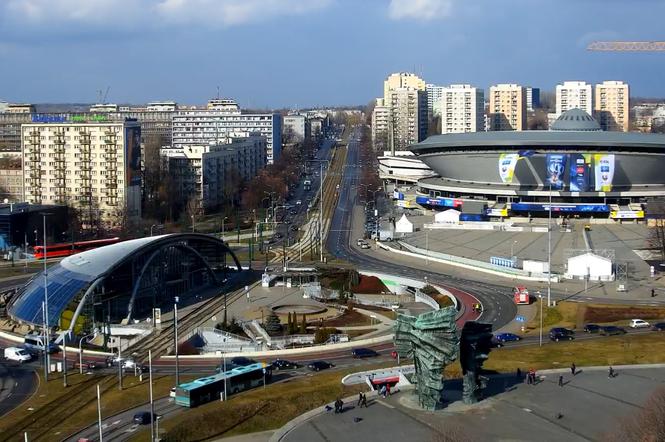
{"x": 627, "y": 46}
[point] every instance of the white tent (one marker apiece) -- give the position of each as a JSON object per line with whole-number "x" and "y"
{"x": 403, "y": 225}
{"x": 450, "y": 216}
{"x": 588, "y": 264}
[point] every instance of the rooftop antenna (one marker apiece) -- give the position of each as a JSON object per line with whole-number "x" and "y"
{"x": 218, "y": 92}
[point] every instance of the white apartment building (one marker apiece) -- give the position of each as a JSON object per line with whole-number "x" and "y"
{"x": 205, "y": 127}
{"x": 612, "y": 107}
{"x": 401, "y": 80}
{"x": 294, "y": 128}
{"x": 408, "y": 116}
{"x": 462, "y": 109}
{"x": 434, "y": 93}
{"x": 223, "y": 104}
{"x": 162, "y": 106}
{"x": 95, "y": 167}
{"x": 212, "y": 173}
{"x": 574, "y": 94}
{"x": 507, "y": 107}
{"x": 105, "y": 108}
{"x": 380, "y": 124}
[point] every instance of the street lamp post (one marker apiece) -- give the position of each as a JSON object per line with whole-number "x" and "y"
{"x": 426, "y": 247}
{"x": 193, "y": 224}
{"x": 512, "y": 250}
{"x": 175, "y": 328}
{"x": 151, "y": 227}
{"x": 64, "y": 359}
{"x": 46, "y": 318}
{"x": 223, "y": 220}
{"x": 99, "y": 414}
{"x": 152, "y": 402}
{"x": 549, "y": 249}
{"x": 541, "y": 319}
{"x": 81, "y": 352}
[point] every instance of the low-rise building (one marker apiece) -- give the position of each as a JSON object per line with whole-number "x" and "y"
{"x": 294, "y": 129}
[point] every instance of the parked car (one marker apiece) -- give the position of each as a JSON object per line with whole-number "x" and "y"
{"x": 365, "y": 246}
{"x": 363, "y": 353}
{"x": 319, "y": 365}
{"x": 19, "y": 355}
{"x": 639, "y": 323}
{"x": 507, "y": 337}
{"x": 142, "y": 418}
{"x": 612, "y": 330}
{"x": 561, "y": 334}
{"x": 359, "y": 242}
{"x": 592, "y": 328}
{"x": 241, "y": 361}
{"x": 283, "y": 364}
{"x": 299, "y": 202}
{"x": 172, "y": 392}
{"x": 659, "y": 326}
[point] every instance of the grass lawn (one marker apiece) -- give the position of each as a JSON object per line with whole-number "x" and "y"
{"x": 43, "y": 415}
{"x": 348, "y": 319}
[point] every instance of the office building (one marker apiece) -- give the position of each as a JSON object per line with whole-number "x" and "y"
{"x": 162, "y": 106}
{"x": 223, "y": 104}
{"x": 507, "y": 107}
{"x": 205, "y": 127}
{"x": 13, "y": 108}
{"x": 402, "y": 80}
{"x": 212, "y": 174}
{"x": 93, "y": 166}
{"x": 611, "y": 105}
{"x": 532, "y": 98}
{"x": 462, "y": 109}
{"x": 572, "y": 95}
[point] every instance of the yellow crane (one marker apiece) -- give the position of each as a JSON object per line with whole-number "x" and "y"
{"x": 627, "y": 46}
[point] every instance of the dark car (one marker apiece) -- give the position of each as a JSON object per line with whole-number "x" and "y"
{"x": 559, "y": 335}
{"x": 142, "y": 418}
{"x": 592, "y": 328}
{"x": 562, "y": 330}
{"x": 507, "y": 337}
{"x": 319, "y": 365}
{"x": 283, "y": 364}
{"x": 659, "y": 326}
{"x": 363, "y": 353}
{"x": 241, "y": 361}
{"x": 612, "y": 330}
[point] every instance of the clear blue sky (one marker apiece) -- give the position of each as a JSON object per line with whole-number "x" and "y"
{"x": 287, "y": 53}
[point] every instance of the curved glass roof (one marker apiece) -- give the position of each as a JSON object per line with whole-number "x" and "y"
{"x": 575, "y": 119}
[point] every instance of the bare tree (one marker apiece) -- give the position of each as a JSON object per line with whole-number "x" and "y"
{"x": 647, "y": 425}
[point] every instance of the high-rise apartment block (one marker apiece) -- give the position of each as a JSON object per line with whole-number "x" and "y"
{"x": 211, "y": 174}
{"x": 574, "y": 94}
{"x": 403, "y": 80}
{"x": 612, "y": 108}
{"x": 433, "y": 95}
{"x": 93, "y": 166}
{"x": 462, "y": 109}
{"x": 532, "y": 98}
{"x": 380, "y": 124}
{"x": 210, "y": 127}
{"x": 507, "y": 107}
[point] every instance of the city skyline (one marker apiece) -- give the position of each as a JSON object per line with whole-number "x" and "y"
{"x": 293, "y": 53}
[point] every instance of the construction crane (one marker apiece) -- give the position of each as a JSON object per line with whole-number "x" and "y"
{"x": 101, "y": 98}
{"x": 627, "y": 46}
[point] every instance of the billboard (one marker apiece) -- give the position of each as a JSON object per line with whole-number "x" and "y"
{"x": 556, "y": 166}
{"x": 439, "y": 202}
{"x": 604, "y": 172}
{"x": 580, "y": 172}
{"x": 579, "y": 208}
{"x": 507, "y": 164}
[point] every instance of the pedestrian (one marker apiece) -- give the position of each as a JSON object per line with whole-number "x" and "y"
{"x": 360, "y": 398}
{"x": 653, "y": 293}
{"x": 382, "y": 392}
{"x": 387, "y": 389}
{"x": 518, "y": 374}
{"x": 610, "y": 373}
{"x": 364, "y": 401}
{"x": 573, "y": 368}
{"x": 560, "y": 380}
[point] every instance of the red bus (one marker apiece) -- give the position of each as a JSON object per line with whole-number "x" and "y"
{"x": 72, "y": 248}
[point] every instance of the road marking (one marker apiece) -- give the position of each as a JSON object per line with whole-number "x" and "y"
{"x": 116, "y": 422}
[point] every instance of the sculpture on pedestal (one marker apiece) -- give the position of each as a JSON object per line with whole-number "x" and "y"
{"x": 475, "y": 345}
{"x": 431, "y": 340}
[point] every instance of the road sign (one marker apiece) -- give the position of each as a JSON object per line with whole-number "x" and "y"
{"x": 520, "y": 318}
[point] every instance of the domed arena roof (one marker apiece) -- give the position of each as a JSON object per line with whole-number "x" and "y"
{"x": 575, "y": 120}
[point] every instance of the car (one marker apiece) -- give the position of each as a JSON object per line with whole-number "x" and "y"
{"x": 19, "y": 355}
{"x": 293, "y": 212}
{"x": 359, "y": 242}
{"x": 563, "y": 330}
{"x": 172, "y": 392}
{"x": 294, "y": 228}
{"x": 507, "y": 337}
{"x": 592, "y": 328}
{"x": 557, "y": 336}
{"x": 611, "y": 330}
{"x": 639, "y": 323}
{"x": 319, "y": 365}
{"x": 241, "y": 361}
{"x": 278, "y": 236}
{"x": 363, "y": 353}
{"x": 142, "y": 418}
{"x": 365, "y": 246}
{"x": 299, "y": 202}
{"x": 659, "y": 326}
{"x": 283, "y": 364}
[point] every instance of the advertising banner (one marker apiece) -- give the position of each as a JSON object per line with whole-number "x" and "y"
{"x": 627, "y": 214}
{"x": 556, "y": 166}
{"x": 579, "y": 208}
{"x": 440, "y": 202}
{"x": 580, "y": 172}
{"x": 507, "y": 164}
{"x": 405, "y": 203}
{"x": 497, "y": 212}
{"x": 604, "y": 172}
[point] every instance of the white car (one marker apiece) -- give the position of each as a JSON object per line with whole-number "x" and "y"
{"x": 172, "y": 392}
{"x": 299, "y": 202}
{"x": 639, "y": 323}
{"x": 17, "y": 354}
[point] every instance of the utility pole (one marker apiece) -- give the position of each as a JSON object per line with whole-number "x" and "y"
{"x": 321, "y": 211}
{"x": 64, "y": 359}
{"x": 152, "y": 403}
{"x": 177, "y": 365}
{"x": 46, "y": 324}
{"x": 99, "y": 414}
{"x": 549, "y": 249}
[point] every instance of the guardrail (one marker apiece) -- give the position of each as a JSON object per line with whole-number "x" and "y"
{"x": 426, "y": 299}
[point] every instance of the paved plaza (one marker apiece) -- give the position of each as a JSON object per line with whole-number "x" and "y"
{"x": 588, "y": 406}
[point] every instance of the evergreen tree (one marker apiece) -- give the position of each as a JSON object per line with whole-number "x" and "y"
{"x": 273, "y": 325}
{"x": 289, "y": 326}
{"x": 303, "y": 325}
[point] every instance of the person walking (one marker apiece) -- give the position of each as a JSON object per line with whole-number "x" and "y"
{"x": 364, "y": 401}
{"x": 560, "y": 380}
{"x": 610, "y": 373}
{"x": 573, "y": 369}
{"x": 360, "y": 398}
{"x": 518, "y": 374}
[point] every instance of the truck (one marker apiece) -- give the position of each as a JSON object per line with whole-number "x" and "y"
{"x": 307, "y": 185}
{"x": 521, "y": 295}
{"x": 17, "y": 354}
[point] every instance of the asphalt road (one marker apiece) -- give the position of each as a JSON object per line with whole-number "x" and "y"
{"x": 17, "y": 383}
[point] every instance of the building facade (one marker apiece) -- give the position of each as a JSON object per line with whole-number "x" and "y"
{"x": 211, "y": 174}
{"x": 206, "y": 127}
{"x": 95, "y": 167}
{"x": 574, "y": 94}
{"x": 612, "y": 107}
{"x": 380, "y": 124}
{"x": 401, "y": 80}
{"x": 461, "y": 108}
{"x": 408, "y": 116}
{"x": 434, "y": 93}
{"x": 295, "y": 128}
{"x": 507, "y": 107}
{"x": 532, "y": 98}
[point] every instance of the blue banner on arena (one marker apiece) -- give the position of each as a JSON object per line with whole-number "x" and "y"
{"x": 533, "y": 207}
{"x": 556, "y": 166}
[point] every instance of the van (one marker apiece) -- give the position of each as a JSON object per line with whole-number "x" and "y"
{"x": 17, "y": 354}
{"x": 35, "y": 343}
